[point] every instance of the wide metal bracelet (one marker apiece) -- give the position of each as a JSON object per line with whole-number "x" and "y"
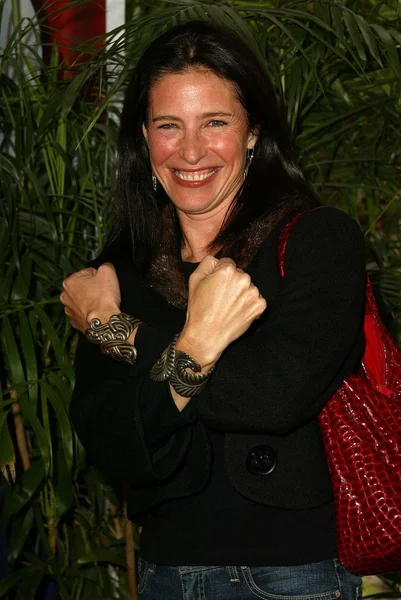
{"x": 172, "y": 366}
{"x": 120, "y": 350}
{"x": 112, "y": 337}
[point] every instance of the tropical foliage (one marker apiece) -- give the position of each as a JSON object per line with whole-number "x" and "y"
{"x": 336, "y": 68}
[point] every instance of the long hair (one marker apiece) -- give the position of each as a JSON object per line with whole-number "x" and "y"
{"x": 144, "y": 222}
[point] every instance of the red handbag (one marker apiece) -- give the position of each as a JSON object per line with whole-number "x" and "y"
{"x": 361, "y": 429}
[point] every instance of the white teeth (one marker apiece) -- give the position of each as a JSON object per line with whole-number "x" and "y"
{"x": 194, "y": 176}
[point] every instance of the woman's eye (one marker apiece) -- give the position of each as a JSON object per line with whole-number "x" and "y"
{"x": 216, "y": 123}
{"x": 167, "y": 126}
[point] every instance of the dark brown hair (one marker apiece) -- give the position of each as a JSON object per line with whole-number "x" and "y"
{"x": 145, "y": 222}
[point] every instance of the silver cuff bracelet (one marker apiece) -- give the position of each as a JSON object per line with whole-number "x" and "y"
{"x": 172, "y": 366}
{"x": 112, "y": 337}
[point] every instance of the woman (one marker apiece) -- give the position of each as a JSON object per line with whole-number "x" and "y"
{"x": 222, "y": 454}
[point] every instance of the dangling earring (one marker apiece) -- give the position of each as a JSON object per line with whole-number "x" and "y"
{"x": 154, "y": 183}
{"x": 249, "y": 158}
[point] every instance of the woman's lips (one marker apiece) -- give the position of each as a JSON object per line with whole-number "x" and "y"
{"x": 195, "y": 178}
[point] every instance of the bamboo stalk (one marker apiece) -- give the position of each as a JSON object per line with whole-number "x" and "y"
{"x": 20, "y": 432}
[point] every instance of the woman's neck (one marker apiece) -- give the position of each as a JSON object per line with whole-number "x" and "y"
{"x": 198, "y": 231}
{"x": 196, "y": 239}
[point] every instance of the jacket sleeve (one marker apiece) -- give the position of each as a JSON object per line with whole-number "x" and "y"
{"x": 282, "y": 372}
{"x": 129, "y": 425}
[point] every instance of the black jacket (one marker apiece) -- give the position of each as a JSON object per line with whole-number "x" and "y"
{"x": 267, "y": 391}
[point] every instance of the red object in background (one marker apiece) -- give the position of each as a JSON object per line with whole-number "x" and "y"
{"x": 68, "y": 25}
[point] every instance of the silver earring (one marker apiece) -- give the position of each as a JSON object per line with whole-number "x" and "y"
{"x": 154, "y": 183}
{"x": 249, "y": 158}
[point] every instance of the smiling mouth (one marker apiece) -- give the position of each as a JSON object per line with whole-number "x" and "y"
{"x": 195, "y": 175}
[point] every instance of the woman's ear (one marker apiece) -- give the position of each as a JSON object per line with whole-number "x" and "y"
{"x": 252, "y": 139}
{"x": 145, "y": 132}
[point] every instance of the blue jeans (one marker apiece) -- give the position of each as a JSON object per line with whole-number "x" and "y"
{"x": 326, "y": 580}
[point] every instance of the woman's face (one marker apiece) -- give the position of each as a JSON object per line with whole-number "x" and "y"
{"x": 198, "y": 136}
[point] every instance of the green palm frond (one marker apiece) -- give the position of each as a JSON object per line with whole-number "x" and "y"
{"x": 336, "y": 69}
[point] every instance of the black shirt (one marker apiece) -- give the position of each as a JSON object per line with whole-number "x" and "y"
{"x": 200, "y": 505}
{"x": 218, "y": 526}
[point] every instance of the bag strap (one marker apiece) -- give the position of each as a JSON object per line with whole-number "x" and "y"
{"x": 285, "y": 234}
{"x": 283, "y": 241}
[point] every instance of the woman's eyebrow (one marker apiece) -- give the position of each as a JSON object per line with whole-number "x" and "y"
{"x": 207, "y": 115}
{"x": 210, "y": 115}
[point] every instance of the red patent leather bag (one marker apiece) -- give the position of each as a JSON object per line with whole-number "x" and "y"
{"x": 361, "y": 429}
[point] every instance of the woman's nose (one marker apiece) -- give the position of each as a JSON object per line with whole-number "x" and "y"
{"x": 193, "y": 148}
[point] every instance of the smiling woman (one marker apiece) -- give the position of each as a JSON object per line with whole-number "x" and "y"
{"x": 215, "y": 366}
{"x": 198, "y": 136}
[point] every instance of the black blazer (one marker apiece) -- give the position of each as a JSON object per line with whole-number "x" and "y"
{"x": 267, "y": 391}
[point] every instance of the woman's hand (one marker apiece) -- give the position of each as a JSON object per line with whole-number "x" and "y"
{"x": 91, "y": 293}
{"x": 222, "y": 304}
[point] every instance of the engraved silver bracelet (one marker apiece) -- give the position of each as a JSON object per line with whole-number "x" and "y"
{"x": 172, "y": 366}
{"x": 112, "y": 337}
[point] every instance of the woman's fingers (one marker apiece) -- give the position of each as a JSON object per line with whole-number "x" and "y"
{"x": 223, "y": 301}
{"x": 226, "y": 265}
{"x": 90, "y": 293}
{"x": 205, "y": 267}
{"x": 109, "y": 265}
{"x": 88, "y": 272}
{"x": 226, "y": 261}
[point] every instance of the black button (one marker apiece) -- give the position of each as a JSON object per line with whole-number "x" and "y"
{"x": 262, "y": 460}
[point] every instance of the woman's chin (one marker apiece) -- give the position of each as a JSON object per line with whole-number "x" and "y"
{"x": 194, "y": 206}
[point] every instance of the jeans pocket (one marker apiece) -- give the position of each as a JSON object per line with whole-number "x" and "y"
{"x": 142, "y": 571}
{"x": 315, "y": 581}
{"x": 350, "y": 584}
